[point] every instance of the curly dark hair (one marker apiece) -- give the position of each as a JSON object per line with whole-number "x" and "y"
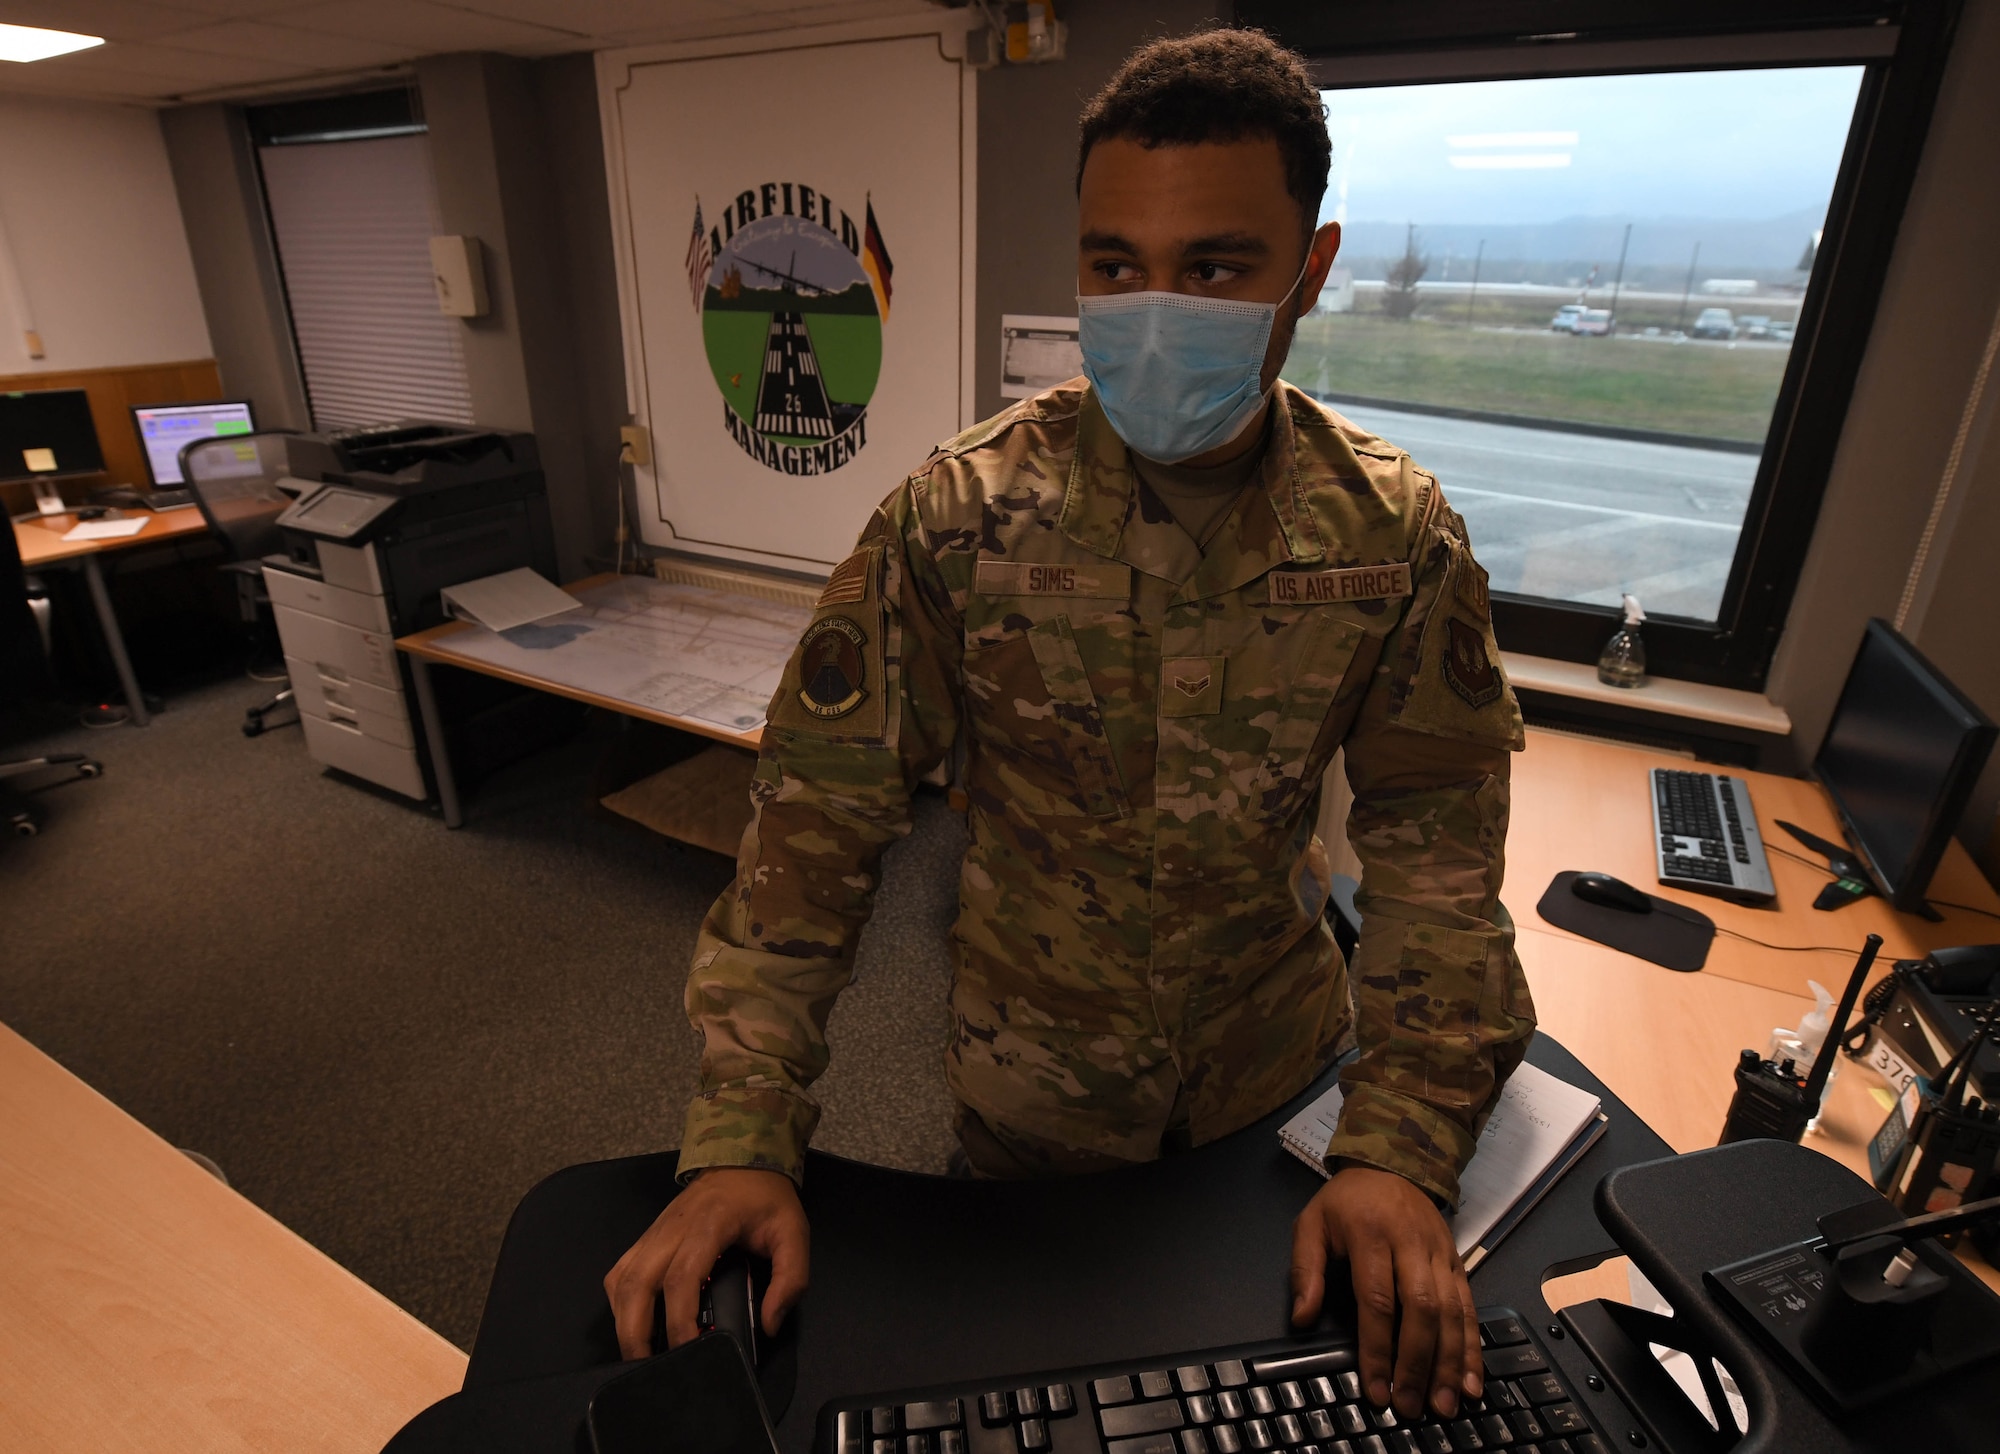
{"x": 1219, "y": 85}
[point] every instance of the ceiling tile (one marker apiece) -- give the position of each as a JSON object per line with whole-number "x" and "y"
{"x": 609, "y": 17}
{"x": 291, "y": 47}
{"x": 112, "y": 19}
{"x": 750, "y": 17}
{"x": 188, "y": 70}
{"x": 238, "y": 9}
{"x": 428, "y": 29}
{"x": 22, "y": 81}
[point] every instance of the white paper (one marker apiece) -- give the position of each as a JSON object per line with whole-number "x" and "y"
{"x": 105, "y": 529}
{"x": 1538, "y": 1116}
{"x": 1037, "y": 353}
{"x": 512, "y": 598}
{"x": 688, "y": 651}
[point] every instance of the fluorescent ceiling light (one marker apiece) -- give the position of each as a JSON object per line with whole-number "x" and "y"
{"x": 32, "y": 43}
{"x": 1516, "y": 138}
{"x": 1511, "y": 161}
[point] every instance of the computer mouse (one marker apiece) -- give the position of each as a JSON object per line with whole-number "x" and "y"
{"x": 1610, "y": 893}
{"x": 730, "y": 1301}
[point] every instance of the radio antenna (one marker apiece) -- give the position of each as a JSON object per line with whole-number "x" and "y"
{"x": 1830, "y": 1042}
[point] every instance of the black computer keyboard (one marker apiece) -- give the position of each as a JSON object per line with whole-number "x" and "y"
{"x": 169, "y": 500}
{"x": 1705, "y": 835}
{"x": 1288, "y": 1398}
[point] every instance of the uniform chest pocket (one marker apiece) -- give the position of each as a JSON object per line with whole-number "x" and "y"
{"x": 1079, "y": 719}
{"x": 1313, "y": 668}
{"x": 1034, "y": 706}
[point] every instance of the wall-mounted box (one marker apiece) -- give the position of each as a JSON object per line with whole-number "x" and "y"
{"x": 458, "y": 267}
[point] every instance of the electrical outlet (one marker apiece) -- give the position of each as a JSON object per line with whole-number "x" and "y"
{"x": 635, "y": 443}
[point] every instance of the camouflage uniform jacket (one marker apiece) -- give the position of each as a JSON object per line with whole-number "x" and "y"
{"x": 1146, "y": 729}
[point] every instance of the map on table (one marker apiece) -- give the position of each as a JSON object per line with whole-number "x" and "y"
{"x": 688, "y": 651}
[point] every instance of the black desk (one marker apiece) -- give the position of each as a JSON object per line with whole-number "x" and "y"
{"x": 919, "y": 1279}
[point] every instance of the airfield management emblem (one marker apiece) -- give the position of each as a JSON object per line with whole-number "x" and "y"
{"x": 792, "y": 297}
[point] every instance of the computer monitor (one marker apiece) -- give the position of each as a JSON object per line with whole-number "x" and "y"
{"x": 1899, "y": 760}
{"x": 47, "y": 433}
{"x": 166, "y": 429}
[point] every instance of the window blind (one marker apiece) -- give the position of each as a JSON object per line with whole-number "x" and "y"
{"x": 353, "y": 222}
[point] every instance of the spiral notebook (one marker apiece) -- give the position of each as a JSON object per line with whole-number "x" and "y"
{"x": 1541, "y": 1128}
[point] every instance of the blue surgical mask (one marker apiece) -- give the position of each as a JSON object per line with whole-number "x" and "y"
{"x": 1177, "y": 375}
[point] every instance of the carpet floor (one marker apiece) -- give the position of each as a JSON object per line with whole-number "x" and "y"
{"x": 385, "y": 1032}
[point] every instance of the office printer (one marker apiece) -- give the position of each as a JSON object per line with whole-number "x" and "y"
{"x": 386, "y": 518}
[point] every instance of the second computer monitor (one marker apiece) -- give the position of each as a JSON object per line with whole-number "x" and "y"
{"x": 1899, "y": 761}
{"x": 166, "y": 429}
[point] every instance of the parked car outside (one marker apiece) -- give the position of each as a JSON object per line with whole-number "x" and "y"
{"x": 1714, "y": 323}
{"x": 1566, "y": 316}
{"x": 1592, "y": 322}
{"x": 1754, "y": 325}
{"x": 1782, "y": 332}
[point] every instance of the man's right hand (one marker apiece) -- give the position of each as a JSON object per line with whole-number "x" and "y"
{"x": 723, "y": 1207}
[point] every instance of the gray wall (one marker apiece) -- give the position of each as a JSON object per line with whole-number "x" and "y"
{"x": 1937, "y": 306}
{"x": 520, "y": 165}
{"x": 235, "y": 263}
{"x": 1027, "y": 165}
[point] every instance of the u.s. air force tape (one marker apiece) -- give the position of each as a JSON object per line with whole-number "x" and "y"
{"x": 1354, "y": 583}
{"x": 1021, "y": 578}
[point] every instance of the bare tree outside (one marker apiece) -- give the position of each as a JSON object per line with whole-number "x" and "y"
{"x": 1399, "y": 291}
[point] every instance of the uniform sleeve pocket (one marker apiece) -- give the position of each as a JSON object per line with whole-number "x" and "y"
{"x": 1080, "y": 722}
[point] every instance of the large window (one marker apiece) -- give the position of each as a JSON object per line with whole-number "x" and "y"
{"x": 1574, "y": 299}
{"x": 1609, "y": 269}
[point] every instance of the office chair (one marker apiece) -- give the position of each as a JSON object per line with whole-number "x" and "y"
{"x": 234, "y": 483}
{"x": 24, "y": 674}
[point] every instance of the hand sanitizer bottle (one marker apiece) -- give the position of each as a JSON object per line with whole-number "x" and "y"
{"x": 1623, "y": 662}
{"x": 1802, "y": 1045}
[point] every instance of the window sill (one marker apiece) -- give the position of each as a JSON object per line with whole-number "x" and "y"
{"x": 1750, "y": 711}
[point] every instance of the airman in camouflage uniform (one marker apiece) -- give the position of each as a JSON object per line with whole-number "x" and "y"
{"x": 1140, "y": 935}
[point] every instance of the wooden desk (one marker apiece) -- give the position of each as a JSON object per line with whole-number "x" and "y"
{"x": 434, "y": 645}
{"x": 42, "y": 545}
{"x": 145, "y": 1305}
{"x": 1667, "y": 1042}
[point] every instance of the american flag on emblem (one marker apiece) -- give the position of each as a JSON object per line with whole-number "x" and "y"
{"x": 699, "y": 259}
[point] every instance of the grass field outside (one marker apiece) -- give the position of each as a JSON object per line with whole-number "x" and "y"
{"x": 1694, "y": 388}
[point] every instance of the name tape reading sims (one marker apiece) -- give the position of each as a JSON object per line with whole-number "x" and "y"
{"x": 1019, "y": 578}
{"x": 1353, "y": 583}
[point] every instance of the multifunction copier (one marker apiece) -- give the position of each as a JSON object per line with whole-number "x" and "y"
{"x": 388, "y": 518}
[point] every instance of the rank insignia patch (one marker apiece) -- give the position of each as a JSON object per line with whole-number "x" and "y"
{"x": 831, "y": 667}
{"x": 1467, "y": 668}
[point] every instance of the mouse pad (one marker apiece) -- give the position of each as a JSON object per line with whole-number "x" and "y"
{"x": 1671, "y": 936}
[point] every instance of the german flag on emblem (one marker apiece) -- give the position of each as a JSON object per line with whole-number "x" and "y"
{"x": 875, "y": 258}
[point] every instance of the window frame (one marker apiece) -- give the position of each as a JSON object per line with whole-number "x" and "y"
{"x": 1902, "y": 50}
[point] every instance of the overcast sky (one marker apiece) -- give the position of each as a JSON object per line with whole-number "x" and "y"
{"x": 1725, "y": 144}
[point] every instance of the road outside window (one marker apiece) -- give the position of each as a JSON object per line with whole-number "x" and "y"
{"x": 1574, "y": 300}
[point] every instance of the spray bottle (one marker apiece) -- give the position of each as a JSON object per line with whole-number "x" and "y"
{"x": 1802, "y": 1045}
{"x": 1623, "y": 662}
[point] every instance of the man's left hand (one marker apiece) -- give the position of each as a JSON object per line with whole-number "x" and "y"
{"x": 1400, "y": 1253}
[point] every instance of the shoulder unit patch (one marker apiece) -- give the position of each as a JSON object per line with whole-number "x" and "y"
{"x": 832, "y": 668}
{"x": 1468, "y": 670}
